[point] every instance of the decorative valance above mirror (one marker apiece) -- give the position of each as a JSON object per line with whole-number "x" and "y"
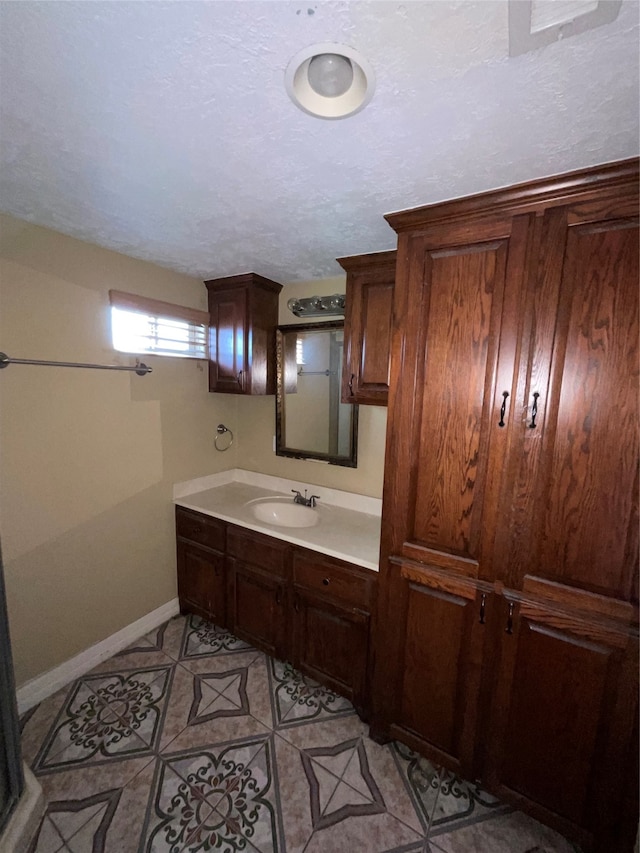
{"x": 311, "y": 420}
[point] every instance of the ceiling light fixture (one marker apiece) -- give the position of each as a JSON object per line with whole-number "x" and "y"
{"x": 329, "y": 81}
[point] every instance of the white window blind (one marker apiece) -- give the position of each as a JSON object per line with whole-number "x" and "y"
{"x": 141, "y": 325}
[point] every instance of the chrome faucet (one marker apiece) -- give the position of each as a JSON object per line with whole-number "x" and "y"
{"x": 304, "y": 501}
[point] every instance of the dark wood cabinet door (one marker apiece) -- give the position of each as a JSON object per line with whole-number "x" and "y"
{"x": 202, "y": 582}
{"x": 367, "y": 327}
{"x": 258, "y": 607}
{"x": 228, "y": 362}
{"x": 435, "y": 681}
{"x": 563, "y": 714}
{"x": 459, "y": 293}
{"x": 243, "y": 313}
{"x": 573, "y": 509}
{"x": 330, "y": 643}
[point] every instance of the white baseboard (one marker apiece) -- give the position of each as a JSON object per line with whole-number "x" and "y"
{"x": 42, "y": 686}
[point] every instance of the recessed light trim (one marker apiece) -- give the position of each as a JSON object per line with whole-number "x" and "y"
{"x": 303, "y": 95}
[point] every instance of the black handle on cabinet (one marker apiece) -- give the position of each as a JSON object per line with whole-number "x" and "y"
{"x": 503, "y": 408}
{"x": 509, "y": 628}
{"x": 239, "y": 378}
{"x": 296, "y": 603}
{"x": 483, "y": 602}
{"x": 326, "y": 581}
{"x": 534, "y": 411}
{"x": 353, "y": 376}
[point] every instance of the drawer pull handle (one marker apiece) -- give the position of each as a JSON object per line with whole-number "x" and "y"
{"x": 503, "y": 408}
{"x": 326, "y": 581}
{"x": 509, "y": 628}
{"x": 534, "y": 411}
{"x": 483, "y": 601}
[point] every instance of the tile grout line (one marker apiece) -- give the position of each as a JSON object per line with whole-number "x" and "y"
{"x": 87, "y": 684}
{"x": 450, "y": 823}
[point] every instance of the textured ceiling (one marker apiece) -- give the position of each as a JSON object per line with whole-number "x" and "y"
{"x": 163, "y": 130}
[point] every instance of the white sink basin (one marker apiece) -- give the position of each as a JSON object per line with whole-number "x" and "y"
{"x": 282, "y": 512}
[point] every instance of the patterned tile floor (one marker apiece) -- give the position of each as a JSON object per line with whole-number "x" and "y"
{"x": 192, "y": 741}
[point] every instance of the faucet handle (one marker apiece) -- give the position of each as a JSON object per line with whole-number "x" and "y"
{"x": 296, "y": 492}
{"x": 313, "y": 499}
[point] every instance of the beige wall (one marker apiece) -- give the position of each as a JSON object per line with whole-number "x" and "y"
{"x": 88, "y": 458}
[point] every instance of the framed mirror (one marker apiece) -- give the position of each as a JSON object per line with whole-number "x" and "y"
{"x": 311, "y": 420}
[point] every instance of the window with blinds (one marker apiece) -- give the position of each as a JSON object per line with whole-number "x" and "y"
{"x": 141, "y": 325}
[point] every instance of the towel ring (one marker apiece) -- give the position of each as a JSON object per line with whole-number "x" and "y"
{"x": 221, "y": 429}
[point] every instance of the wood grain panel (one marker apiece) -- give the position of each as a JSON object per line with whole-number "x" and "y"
{"x": 581, "y": 187}
{"x": 437, "y": 674}
{"x": 590, "y": 491}
{"x": 376, "y": 334}
{"x": 227, "y": 357}
{"x": 333, "y": 578}
{"x": 201, "y": 582}
{"x": 244, "y": 315}
{"x": 435, "y": 624}
{"x": 553, "y": 720}
{"x": 532, "y": 291}
{"x": 330, "y": 644}
{"x": 259, "y": 550}
{"x": 202, "y": 529}
{"x": 579, "y": 599}
{"x": 461, "y": 334}
{"x": 459, "y": 565}
{"x": 367, "y": 327}
{"x": 561, "y": 721}
{"x": 437, "y": 579}
{"x": 257, "y": 607}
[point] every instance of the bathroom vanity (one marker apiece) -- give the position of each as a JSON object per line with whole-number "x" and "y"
{"x": 300, "y": 593}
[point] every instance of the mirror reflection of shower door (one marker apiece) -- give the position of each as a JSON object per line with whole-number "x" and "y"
{"x": 335, "y": 380}
{"x": 339, "y": 412}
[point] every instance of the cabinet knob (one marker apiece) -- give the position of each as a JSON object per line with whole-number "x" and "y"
{"x": 196, "y": 530}
{"x": 326, "y": 581}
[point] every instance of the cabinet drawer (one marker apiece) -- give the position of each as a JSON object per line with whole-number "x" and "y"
{"x": 258, "y": 550}
{"x": 332, "y": 579}
{"x": 202, "y": 529}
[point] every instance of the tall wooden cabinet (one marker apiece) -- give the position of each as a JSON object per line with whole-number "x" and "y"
{"x": 507, "y": 624}
{"x": 367, "y": 327}
{"x": 243, "y": 313}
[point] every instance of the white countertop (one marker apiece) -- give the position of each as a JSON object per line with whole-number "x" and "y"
{"x": 348, "y": 527}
